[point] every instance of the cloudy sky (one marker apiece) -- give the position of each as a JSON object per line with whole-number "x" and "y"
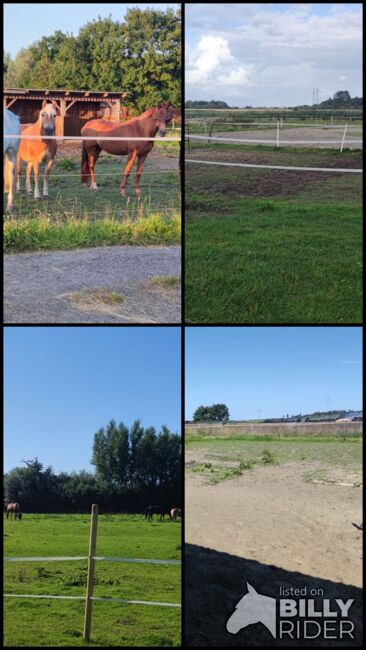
{"x": 272, "y": 54}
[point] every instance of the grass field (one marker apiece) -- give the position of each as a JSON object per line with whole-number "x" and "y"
{"x": 60, "y": 622}
{"x": 225, "y": 458}
{"x": 270, "y": 246}
{"x": 75, "y": 217}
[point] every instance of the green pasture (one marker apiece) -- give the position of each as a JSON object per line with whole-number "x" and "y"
{"x": 60, "y": 622}
{"x": 268, "y": 246}
{"x": 322, "y": 458}
{"x": 75, "y": 217}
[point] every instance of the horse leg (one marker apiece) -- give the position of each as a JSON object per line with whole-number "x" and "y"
{"x": 93, "y": 157}
{"x": 28, "y": 178}
{"x": 45, "y": 178}
{"x": 36, "y": 177}
{"x": 9, "y": 171}
{"x": 18, "y": 172}
{"x": 129, "y": 164}
{"x": 140, "y": 161}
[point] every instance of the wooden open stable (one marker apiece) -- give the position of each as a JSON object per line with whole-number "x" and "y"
{"x": 75, "y": 106}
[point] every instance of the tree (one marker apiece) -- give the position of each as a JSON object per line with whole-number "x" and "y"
{"x": 214, "y": 413}
{"x": 7, "y": 60}
{"x": 141, "y": 55}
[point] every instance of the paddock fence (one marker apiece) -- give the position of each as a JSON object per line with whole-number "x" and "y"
{"x": 278, "y": 141}
{"x": 92, "y": 558}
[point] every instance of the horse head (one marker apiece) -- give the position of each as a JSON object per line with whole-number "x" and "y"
{"x": 253, "y": 608}
{"x": 47, "y": 118}
{"x": 162, "y": 115}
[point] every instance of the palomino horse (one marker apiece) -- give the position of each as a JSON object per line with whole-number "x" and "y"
{"x": 174, "y": 513}
{"x": 11, "y": 146}
{"x": 145, "y": 126}
{"x": 13, "y": 508}
{"x": 35, "y": 152}
{"x": 156, "y": 510}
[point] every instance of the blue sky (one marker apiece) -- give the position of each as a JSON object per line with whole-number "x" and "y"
{"x": 63, "y": 384}
{"x": 26, "y": 23}
{"x": 273, "y": 371}
{"x": 269, "y": 54}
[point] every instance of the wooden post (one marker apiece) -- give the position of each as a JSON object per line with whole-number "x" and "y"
{"x": 91, "y": 563}
{"x": 210, "y": 129}
{"x": 344, "y": 137}
{"x": 278, "y": 133}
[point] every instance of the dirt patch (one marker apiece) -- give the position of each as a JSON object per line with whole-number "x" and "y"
{"x": 262, "y": 183}
{"x": 273, "y": 527}
{"x": 302, "y": 525}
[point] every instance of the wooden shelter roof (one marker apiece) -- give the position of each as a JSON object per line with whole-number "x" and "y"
{"x": 80, "y": 95}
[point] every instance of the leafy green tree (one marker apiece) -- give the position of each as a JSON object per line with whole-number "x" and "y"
{"x": 214, "y": 413}
{"x": 7, "y": 60}
{"x": 141, "y": 55}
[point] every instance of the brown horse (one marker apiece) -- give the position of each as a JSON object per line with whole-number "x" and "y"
{"x": 174, "y": 513}
{"x": 145, "y": 126}
{"x": 35, "y": 152}
{"x": 13, "y": 508}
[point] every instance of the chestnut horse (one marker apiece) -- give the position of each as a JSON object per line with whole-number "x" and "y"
{"x": 13, "y": 508}
{"x": 11, "y": 146}
{"x": 35, "y": 152}
{"x": 145, "y": 126}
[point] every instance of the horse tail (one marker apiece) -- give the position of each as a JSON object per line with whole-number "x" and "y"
{"x": 85, "y": 170}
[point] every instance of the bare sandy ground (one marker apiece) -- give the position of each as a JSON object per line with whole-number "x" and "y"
{"x": 275, "y": 517}
{"x": 273, "y": 529}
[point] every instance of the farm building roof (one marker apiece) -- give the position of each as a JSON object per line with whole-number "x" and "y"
{"x": 81, "y": 95}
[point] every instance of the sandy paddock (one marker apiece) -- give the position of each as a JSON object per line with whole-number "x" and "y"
{"x": 273, "y": 529}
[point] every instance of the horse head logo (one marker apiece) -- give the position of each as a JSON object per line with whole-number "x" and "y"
{"x": 253, "y": 608}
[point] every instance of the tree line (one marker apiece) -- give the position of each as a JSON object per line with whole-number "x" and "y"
{"x": 140, "y": 56}
{"x": 134, "y": 467}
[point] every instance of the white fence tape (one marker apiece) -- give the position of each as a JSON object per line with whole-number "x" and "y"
{"x": 114, "y": 600}
{"x": 254, "y": 140}
{"x": 306, "y": 169}
{"x": 45, "y": 559}
{"x": 125, "y": 560}
{"x": 88, "y": 137}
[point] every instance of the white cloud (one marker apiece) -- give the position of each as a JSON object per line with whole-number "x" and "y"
{"x": 238, "y": 77}
{"x": 210, "y": 53}
{"x": 276, "y": 53}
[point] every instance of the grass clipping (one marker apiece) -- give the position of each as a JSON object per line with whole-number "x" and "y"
{"x": 67, "y": 233}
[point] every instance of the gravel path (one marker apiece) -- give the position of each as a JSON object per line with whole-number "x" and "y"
{"x": 75, "y": 286}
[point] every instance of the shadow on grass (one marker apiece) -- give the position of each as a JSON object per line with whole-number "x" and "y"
{"x": 215, "y": 581}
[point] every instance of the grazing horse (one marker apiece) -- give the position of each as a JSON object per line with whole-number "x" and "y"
{"x": 11, "y": 146}
{"x": 156, "y": 510}
{"x": 145, "y": 126}
{"x": 34, "y": 152}
{"x": 174, "y": 513}
{"x": 13, "y": 508}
